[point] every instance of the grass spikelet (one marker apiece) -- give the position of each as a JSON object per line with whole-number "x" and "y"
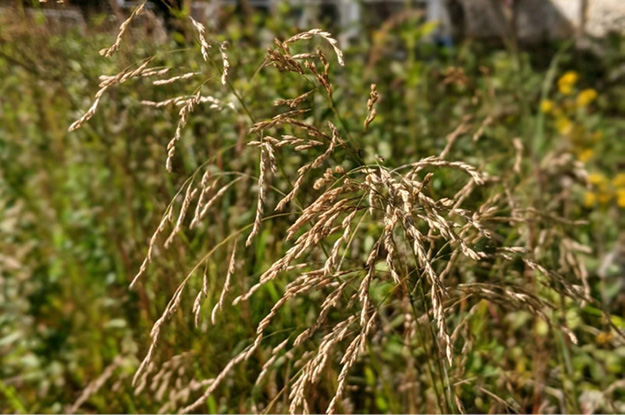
{"x": 108, "y": 52}
{"x": 96, "y": 385}
{"x": 267, "y": 162}
{"x": 175, "y": 78}
{"x": 226, "y": 287}
{"x": 274, "y": 356}
{"x": 206, "y": 206}
{"x": 188, "y": 198}
{"x": 160, "y": 104}
{"x": 184, "y": 112}
{"x": 161, "y": 227}
{"x": 223, "y": 46}
{"x": 373, "y": 98}
{"x": 325, "y": 35}
{"x": 335, "y": 141}
{"x": 106, "y": 83}
{"x": 201, "y": 31}
{"x": 293, "y": 102}
{"x": 356, "y": 347}
{"x": 390, "y": 222}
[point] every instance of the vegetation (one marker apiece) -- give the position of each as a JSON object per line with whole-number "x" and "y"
{"x": 389, "y": 227}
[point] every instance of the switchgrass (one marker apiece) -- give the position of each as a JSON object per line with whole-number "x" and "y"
{"x": 383, "y": 252}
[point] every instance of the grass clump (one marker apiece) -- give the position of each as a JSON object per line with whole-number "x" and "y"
{"x": 342, "y": 246}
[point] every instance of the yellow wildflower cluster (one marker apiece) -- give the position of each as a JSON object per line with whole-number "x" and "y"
{"x": 586, "y": 97}
{"x": 567, "y": 82}
{"x": 547, "y": 106}
{"x": 605, "y": 190}
{"x": 567, "y": 110}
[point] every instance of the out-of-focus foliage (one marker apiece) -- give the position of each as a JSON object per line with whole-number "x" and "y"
{"x": 76, "y": 210}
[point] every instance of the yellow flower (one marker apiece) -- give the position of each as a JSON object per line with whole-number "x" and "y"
{"x": 586, "y": 155}
{"x": 596, "y": 178}
{"x": 619, "y": 180}
{"x": 564, "y": 125}
{"x": 620, "y": 197}
{"x": 570, "y": 77}
{"x": 546, "y": 106}
{"x": 566, "y": 89}
{"x": 567, "y": 81}
{"x": 586, "y": 97}
{"x": 590, "y": 199}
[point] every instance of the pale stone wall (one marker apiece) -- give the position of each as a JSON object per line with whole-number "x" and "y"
{"x": 604, "y": 16}
{"x": 543, "y": 19}
{"x": 481, "y": 19}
